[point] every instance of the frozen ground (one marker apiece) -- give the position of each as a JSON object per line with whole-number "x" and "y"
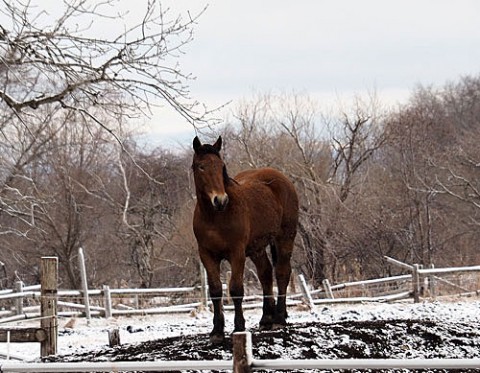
{"x": 400, "y": 330}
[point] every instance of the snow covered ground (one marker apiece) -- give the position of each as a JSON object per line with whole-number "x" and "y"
{"x": 83, "y": 338}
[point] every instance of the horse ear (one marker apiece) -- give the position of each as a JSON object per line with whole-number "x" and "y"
{"x": 218, "y": 144}
{"x": 196, "y": 143}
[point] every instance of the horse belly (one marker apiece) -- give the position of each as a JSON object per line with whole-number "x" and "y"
{"x": 266, "y": 220}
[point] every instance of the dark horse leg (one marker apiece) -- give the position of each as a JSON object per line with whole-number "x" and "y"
{"x": 264, "y": 271}
{"x": 237, "y": 263}
{"x": 212, "y": 266}
{"x": 283, "y": 271}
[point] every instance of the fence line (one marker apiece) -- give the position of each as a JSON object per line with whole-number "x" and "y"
{"x": 280, "y": 364}
{"x": 329, "y": 294}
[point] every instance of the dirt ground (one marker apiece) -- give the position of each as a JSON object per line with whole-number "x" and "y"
{"x": 349, "y": 339}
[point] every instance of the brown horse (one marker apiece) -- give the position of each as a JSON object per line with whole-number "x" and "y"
{"x": 237, "y": 218}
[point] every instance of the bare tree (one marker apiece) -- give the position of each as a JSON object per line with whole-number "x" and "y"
{"x": 288, "y": 132}
{"x": 154, "y": 193}
{"x": 64, "y": 60}
{"x": 64, "y": 78}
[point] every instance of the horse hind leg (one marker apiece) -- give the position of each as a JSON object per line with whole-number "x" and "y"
{"x": 265, "y": 275}
{"x": 283, "y": 271}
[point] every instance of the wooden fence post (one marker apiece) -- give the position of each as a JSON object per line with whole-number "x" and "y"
{"x": 204, "y": 285}
{"x": 432, "y": 284}
{"x": 19, "y": 301}
{"x": 83, "y": 275}
{"x": 242, "y": 352}
{"x": 228, "y": 298}
{"x": 107, "y": 301}
{"x": 416, "y": 283}
{"x": 48, "y": 305}
{"x": 328, "y": 288}
{"x": 114, "y": 337}
{"x": 306, "y": 292}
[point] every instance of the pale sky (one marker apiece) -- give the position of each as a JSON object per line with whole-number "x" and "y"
{"x": 325, "y": 48}
{"x": 328, "y": 49}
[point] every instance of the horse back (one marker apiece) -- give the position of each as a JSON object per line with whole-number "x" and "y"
{"x": 280, "y": 187}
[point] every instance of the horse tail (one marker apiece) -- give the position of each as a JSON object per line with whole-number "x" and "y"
{"x": 273, "y": 251}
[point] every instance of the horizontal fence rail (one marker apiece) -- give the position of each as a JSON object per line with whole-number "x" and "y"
{"x": 280, "y": 364}
{"x": 367, "y": 364}
{"x": 108, "y": 302}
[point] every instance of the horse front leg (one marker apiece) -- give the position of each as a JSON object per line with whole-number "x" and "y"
{"x": 212, "y": 266}
{"x": 237, "y": 264}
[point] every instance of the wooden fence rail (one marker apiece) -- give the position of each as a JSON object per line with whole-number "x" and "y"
{"x": 101, "y": 300}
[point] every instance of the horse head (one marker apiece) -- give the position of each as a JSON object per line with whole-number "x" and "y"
{"x": 210, "y": 173}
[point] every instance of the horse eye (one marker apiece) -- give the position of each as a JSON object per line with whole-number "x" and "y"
{"x": 200, "y": 168}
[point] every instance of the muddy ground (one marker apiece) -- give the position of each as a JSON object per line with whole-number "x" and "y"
{"x": 374, "y": 339}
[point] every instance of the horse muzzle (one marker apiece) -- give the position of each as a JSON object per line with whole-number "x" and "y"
{"x": 220, "y": 202}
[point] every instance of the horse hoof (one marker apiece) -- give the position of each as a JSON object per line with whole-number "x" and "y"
{"x": 217, "y": 338}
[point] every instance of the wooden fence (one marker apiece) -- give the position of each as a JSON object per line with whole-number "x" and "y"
{"x": 47, "y": 333}
{"x": 107, "y": 302}
{"x": 397, "y": 287}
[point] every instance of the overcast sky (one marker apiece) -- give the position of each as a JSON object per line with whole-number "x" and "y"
{"x": 326, "y": 48}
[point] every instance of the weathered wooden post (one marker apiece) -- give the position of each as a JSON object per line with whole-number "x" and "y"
{"x": 416, "y": 283}
{"x": 204, "y": 285}
{"x": 83, "y": 275}
{"x": 19, "y": 301}
{"x": 107, "y": 300}
{"x": 432, "y": 284}
{"x": 242, "y": 352}
{"x": 306, "y": 291}
{"x": 292, "y": 285}
{"x": 328, "y": 288}
{"x": 48, "y": 305}
{"x": 114, "y": 337}
{"x": 228, "y": 298}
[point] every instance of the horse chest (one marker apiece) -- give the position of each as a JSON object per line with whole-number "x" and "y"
{"x": 220, "y": 234}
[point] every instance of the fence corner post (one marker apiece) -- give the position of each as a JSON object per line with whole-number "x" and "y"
{"x": 242, "y": 352}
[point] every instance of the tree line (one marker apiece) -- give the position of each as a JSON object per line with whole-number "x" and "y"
{"x": 372, "y": 182}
